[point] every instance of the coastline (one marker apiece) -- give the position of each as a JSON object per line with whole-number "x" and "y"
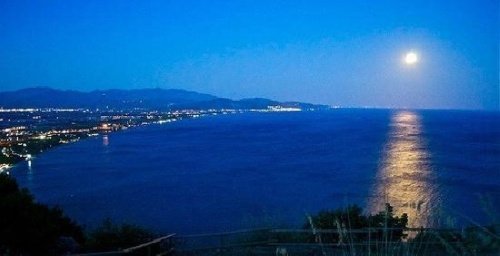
{"x": 216, "y": 162}
{"x": 105, "y": 126}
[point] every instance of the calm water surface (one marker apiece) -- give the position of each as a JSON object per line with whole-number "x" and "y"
{"x": 269, "y": 169}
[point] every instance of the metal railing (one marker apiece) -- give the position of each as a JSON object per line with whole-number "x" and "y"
{"x": 287, "y": 242}
{"x": 160, "y": 246}
{"x": 367, "y": 241}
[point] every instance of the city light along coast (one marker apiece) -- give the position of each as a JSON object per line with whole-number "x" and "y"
{"x": 26, "y": 132}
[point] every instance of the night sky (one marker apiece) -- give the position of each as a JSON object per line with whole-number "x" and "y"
{"x": 347, "y": 53}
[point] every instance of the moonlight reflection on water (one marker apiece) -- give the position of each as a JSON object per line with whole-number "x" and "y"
{"x": 242, "y": 170}
{"x": 405, "y": 177}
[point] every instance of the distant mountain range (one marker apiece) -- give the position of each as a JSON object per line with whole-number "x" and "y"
{"x": 161, "y": 99}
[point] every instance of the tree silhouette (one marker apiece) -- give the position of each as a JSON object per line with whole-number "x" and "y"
{"x": 30, "y": 228}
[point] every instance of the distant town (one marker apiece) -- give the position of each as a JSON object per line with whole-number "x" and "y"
{"x": 26, "y": 132}
{"x": 33, "y": 120}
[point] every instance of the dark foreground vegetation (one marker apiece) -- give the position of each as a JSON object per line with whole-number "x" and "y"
{"x": 387, "y": 234}
{"x": 30, "y": 228}
{"x": 27, "y": 227}
{"x": 352, "y": 217}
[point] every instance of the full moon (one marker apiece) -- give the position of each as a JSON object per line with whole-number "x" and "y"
{"x": 411, "y": 58}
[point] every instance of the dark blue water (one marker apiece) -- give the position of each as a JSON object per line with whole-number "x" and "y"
{"x": 270, "y": 169}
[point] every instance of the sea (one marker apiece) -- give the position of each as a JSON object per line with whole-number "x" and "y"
{"x": 252, "y": 170}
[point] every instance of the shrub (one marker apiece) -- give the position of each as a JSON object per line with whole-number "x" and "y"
{"x": 388, "y": 226}
{"x": 110, "y": 237}
{"x": 30, "y": 228}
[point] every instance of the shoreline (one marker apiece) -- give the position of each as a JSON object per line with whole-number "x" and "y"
{"x": 102, "y": 129}
{"x": 107, "y": 127}
{"x": 192, "y": 143}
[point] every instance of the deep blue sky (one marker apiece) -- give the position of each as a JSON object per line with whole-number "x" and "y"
{"x": 334, "y": 52}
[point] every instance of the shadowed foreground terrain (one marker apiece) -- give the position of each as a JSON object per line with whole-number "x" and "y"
{"x": 30, "y": 228}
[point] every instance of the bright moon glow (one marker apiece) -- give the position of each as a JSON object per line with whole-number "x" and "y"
{"x": 411, "y": 58}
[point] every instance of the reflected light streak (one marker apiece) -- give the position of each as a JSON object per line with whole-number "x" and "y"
{"x": 405, "y": 176}
{"x": 30, "y": 174}
{"x": 105, "y": 140}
